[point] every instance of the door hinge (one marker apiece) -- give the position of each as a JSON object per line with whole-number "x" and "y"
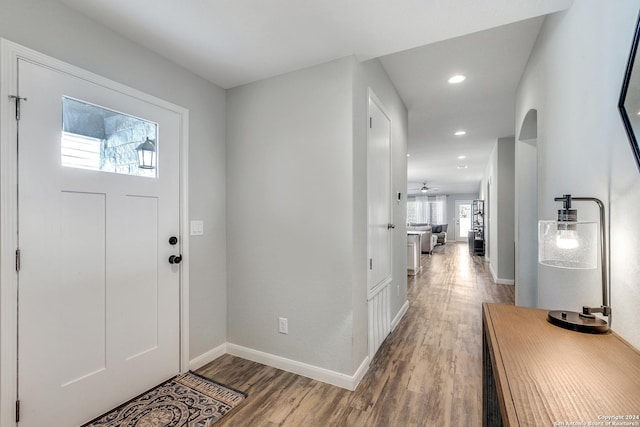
{"x": 18, "y": 100}
{"x": 370, "y": 122}
{"x": 17, "y": 411}
{"x": 370, "y": 263}
{"x": 17, "y": 260}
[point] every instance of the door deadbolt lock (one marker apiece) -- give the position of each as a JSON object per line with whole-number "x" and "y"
{"x": 390, "y": 226}
{"x": 173, "y": 240}
{"x": 175, "y": 259}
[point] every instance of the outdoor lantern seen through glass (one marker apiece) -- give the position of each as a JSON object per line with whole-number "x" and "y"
{"x": 569, "y": 243}
{"x": 147, "y": 154}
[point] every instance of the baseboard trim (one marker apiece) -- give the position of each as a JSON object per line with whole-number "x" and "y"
{"x": 360, "y": 372}
{"x": 494, "y": 276}
{"x": 350, "y": 382}
{"x": 400, "y": 315}
{"x": 209, "y": 356}
{"x": 497, "y": 280}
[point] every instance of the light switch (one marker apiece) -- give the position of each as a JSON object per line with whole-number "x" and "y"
{"x": 197, "y": 228}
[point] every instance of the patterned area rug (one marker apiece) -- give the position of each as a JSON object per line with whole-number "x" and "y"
{"x": 186, "y": 400}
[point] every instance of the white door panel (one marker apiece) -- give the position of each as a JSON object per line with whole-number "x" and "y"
{"x": 379, "y": 195}
{"x": 83, "y": 225}
{"x": 379, "y": 220}
{"x": 98, "y": 300}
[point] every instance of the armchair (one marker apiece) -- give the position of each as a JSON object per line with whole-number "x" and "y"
{"x": 427, "y": 241}
{"x": 441, "y": 232}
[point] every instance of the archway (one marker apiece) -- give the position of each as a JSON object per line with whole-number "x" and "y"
{"x": 526, "y": 211}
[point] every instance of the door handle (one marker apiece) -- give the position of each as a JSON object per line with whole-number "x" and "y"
{"x": 390, "y": 226}
{"x": 175, "y": 259}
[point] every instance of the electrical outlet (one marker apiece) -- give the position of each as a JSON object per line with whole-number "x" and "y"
{"x": 283, "y": 325}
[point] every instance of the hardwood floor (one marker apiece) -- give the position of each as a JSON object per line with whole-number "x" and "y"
{"x": 428, "y": 372}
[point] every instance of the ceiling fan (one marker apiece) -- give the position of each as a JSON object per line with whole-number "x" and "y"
{"x": 425, "y": 189}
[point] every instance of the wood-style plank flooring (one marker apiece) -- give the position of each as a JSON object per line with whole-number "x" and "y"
{"x": 428, "y": 372}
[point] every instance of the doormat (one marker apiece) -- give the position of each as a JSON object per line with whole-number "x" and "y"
{"x": 186, "y": 400}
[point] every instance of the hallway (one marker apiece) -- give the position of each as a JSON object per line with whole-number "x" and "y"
{"x": 427, "y": 372}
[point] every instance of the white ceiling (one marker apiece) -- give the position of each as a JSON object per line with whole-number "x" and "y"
{"x": 236, "y": 42}
{"x": 483, "y": 105}
{"x": 231, "y": 43}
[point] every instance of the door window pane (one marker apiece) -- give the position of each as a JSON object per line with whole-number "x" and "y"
{"x": 465, "y": 219}
{"x": 100, "y": 139}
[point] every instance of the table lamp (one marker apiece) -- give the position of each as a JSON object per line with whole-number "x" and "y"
{"x": 569, "y": 243}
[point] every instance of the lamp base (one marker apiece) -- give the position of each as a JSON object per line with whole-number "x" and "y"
{"x": 576, "y": 322}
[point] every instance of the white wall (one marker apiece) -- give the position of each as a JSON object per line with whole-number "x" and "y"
{"x": 53, "y": 29}
{"x": 297, "y": 210}
{"x": 526, "y": 222}
{"x": 573, "y": 79}
{"x": 290, "y": 215}
{"x": 506, "y": 210}
{"x": 488, "y": 194}
{"x": 371, "y": 74}
{"x": 499, "y": 177}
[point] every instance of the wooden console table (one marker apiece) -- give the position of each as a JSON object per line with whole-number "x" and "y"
{"x": 537, "y": 374}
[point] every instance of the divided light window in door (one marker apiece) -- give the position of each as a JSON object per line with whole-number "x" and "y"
{"x": 100, "y": 139}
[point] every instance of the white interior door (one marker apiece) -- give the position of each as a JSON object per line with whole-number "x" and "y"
{"x": 379, "y": 223}
{"x": 463, "y": 220}
{"x": 379, "y": 194}
{"x": 98, "y": 299}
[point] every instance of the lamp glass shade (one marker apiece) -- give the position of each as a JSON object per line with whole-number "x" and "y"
{"x": 568, "y": 244}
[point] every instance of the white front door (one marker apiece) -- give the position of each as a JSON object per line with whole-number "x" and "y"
{"x": 463, "y": 220}
{"x": 98, "y": 300}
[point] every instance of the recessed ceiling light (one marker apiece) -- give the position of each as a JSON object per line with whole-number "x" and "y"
{"x": 638, "y": 113}
{"x": 460, "y": 133}
{"x": 408, "y": 155}
{"x": 458, "y": 78}
{"x": 462, "y": 166}
{"x": 462, "y": 157}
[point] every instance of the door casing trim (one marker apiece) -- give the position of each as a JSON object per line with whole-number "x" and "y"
{"x": 9, "y": 54}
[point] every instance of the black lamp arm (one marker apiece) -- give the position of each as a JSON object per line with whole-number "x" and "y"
{"x": 605, "y": 309}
